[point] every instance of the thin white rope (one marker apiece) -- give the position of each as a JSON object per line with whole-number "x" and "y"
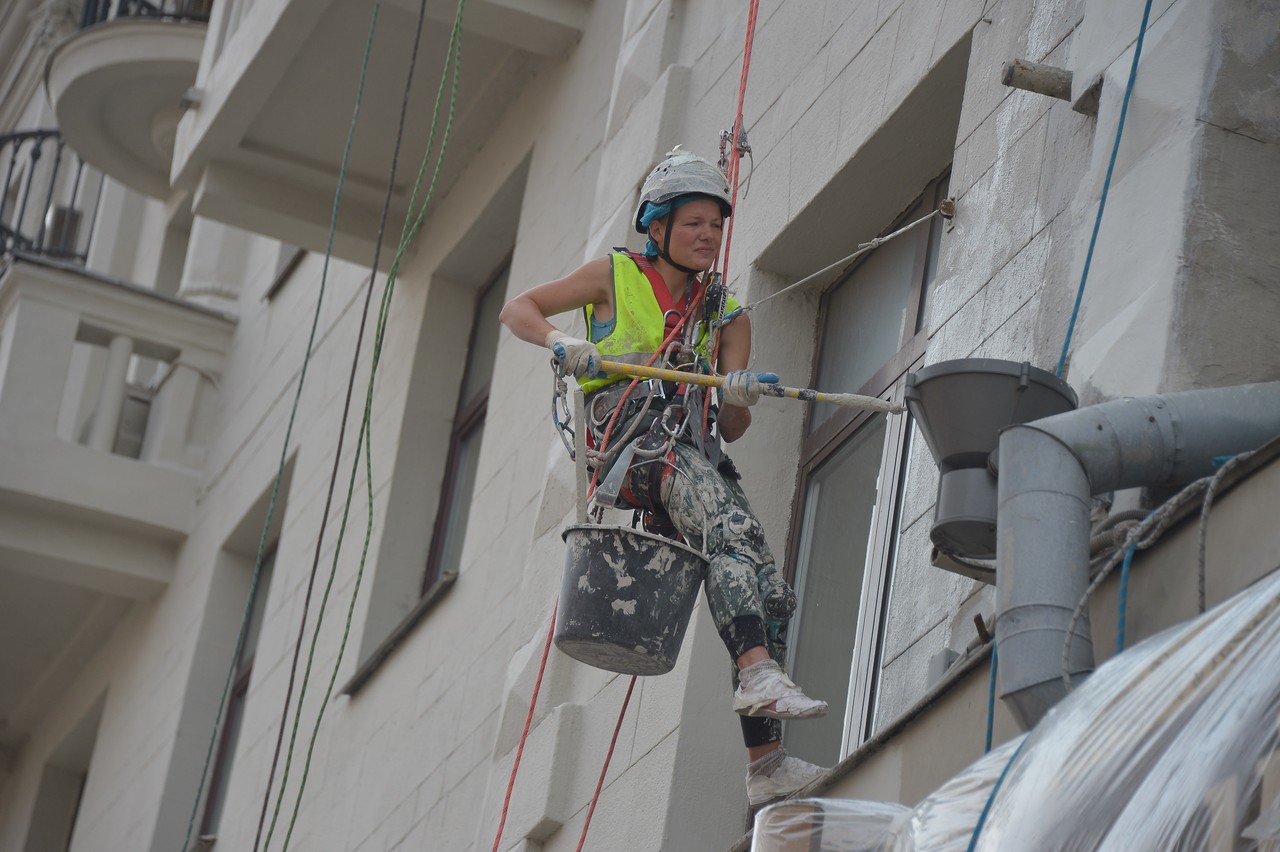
{"x": 863, "y": 248}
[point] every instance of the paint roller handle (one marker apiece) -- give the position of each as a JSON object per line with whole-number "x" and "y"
{"x": 768, "y": 386}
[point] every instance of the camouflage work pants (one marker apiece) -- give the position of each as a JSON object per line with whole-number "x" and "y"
{"x": 750, "y": 601}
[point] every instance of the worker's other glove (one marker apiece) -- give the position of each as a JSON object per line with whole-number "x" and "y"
{"x": 740, "y": 388}
{"x": 576, "y": 356}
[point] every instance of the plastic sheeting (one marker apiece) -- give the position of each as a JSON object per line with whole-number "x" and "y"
{"x": 1169, "y": 746}
{"x": 802, "y": 825}
{"x": 943, "y": 821}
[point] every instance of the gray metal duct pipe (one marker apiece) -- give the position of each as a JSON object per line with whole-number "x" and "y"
{"x": 1049, "y": 469}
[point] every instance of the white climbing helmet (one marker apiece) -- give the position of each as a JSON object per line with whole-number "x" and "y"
{"x": 682, "y": 173}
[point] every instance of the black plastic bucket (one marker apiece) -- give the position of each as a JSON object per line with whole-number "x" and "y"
{"x": 626, "y": 598}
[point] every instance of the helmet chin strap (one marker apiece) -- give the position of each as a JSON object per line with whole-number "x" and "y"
{"x": 665, "y": 251}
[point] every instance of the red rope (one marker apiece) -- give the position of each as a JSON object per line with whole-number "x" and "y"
{"x": 605, "y": 769}
{"x": 734, "y": 168}
{"x": 528, "y": 720}
{"x": 735, "y": 164}
{"x": 735, "y": 158}
{"x": 546, "y": 648}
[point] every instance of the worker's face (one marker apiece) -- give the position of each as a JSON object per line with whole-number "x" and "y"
{"x": 696, "y": 230}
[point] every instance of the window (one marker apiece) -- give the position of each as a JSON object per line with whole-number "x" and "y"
{"x": 467, "y": 434}
{"x": 441, "y": 430}
{"x": 852, "y": 470}
{"x": 234, "y": 714}
{"x": 56, "y": 809}
{"x": 287, "y": 261}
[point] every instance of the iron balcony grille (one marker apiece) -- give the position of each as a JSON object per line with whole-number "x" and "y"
{"x": 100, "y": 11}
{"x": 49, "y": 198}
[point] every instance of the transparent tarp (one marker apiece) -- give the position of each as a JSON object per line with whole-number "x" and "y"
{"x": 1169, "y": 746}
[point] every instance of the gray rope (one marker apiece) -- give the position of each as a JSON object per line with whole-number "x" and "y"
{"x": 1140, "y": 537}
{"x": 1203, "y": 531}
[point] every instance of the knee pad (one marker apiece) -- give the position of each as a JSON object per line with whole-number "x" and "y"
{"x": 778, "y": 600}
{"x": 742, "y": 535}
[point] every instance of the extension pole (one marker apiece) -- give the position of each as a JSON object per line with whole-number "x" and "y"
{"x": 769, "y": 388}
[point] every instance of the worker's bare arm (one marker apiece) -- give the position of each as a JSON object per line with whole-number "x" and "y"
{"x": 735, "y": 352}
{"x": 526, "y": 314}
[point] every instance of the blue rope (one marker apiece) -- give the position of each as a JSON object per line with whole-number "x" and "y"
{"x": 1106, "y": 187}
{"x": 1124, "y": 595}
{"x": 991, "y": 698}
{"x": 986, "y": 809}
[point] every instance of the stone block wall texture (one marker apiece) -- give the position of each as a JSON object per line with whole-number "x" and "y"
{"x": 419, "y": 757}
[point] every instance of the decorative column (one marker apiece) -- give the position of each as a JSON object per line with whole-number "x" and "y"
{"x": 106, "y": 416}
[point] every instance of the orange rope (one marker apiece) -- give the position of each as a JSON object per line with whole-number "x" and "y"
{"x": 734, "y": 167}
{"x": 528, "y": 720}
{"x": 735, "y": 158}
{"x": 734, "y": 164}
{"x": 546, "y": 648}
{"x": 605, "y": 769}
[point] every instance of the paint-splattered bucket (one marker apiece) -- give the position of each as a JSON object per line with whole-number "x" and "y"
{"x": 626, "y": 598}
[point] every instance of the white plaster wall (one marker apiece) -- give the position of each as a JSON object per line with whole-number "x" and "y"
{"x": 1028, "y": 175}
{"x": 419, "y": 757}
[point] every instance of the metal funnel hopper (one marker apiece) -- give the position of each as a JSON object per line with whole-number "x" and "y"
{"x": 960, "y": 407}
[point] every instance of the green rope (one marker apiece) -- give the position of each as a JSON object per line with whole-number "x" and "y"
{"x": 413, "y": 223}
{"x": 328, "y": 251}
{"x": 346, "y": 408}
{"x": 284, "y": 453}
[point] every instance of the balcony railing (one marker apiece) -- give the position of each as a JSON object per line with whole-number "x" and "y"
{"x": 104, "y": 369}
{"x": 100, "y": 11}
{"x": 49, "y": 198}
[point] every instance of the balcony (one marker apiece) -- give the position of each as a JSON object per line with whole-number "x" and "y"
{"x": 117, "y": 86}
{"x": 48, "y": 198}
{"x": 106, "y": 391}
{"x": 262, "y": 148}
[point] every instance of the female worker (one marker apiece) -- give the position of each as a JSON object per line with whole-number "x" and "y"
{"x": 659, "y": 457}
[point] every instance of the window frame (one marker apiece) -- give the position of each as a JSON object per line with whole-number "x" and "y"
{"x": 469, "y": 415}
{"x": 819, "y": 445}
{"x": 237, "y": 698}
{"x": 288, "y": 260}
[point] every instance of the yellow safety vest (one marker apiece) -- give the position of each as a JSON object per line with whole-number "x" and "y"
{"x": 639, "y": 327}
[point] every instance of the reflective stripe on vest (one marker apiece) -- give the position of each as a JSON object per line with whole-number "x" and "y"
{"x": 638, "y": 327}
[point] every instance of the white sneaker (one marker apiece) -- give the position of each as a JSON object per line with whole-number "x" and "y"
{"x": 787, "y": 776}
{"x": 763, "y": 690}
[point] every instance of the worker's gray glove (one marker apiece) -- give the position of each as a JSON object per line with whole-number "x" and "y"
{"x": 576, "y": 356}
{"x": 740, "y": 388}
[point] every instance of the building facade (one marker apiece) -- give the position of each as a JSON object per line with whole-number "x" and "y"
{"x": 280, "y": 545}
